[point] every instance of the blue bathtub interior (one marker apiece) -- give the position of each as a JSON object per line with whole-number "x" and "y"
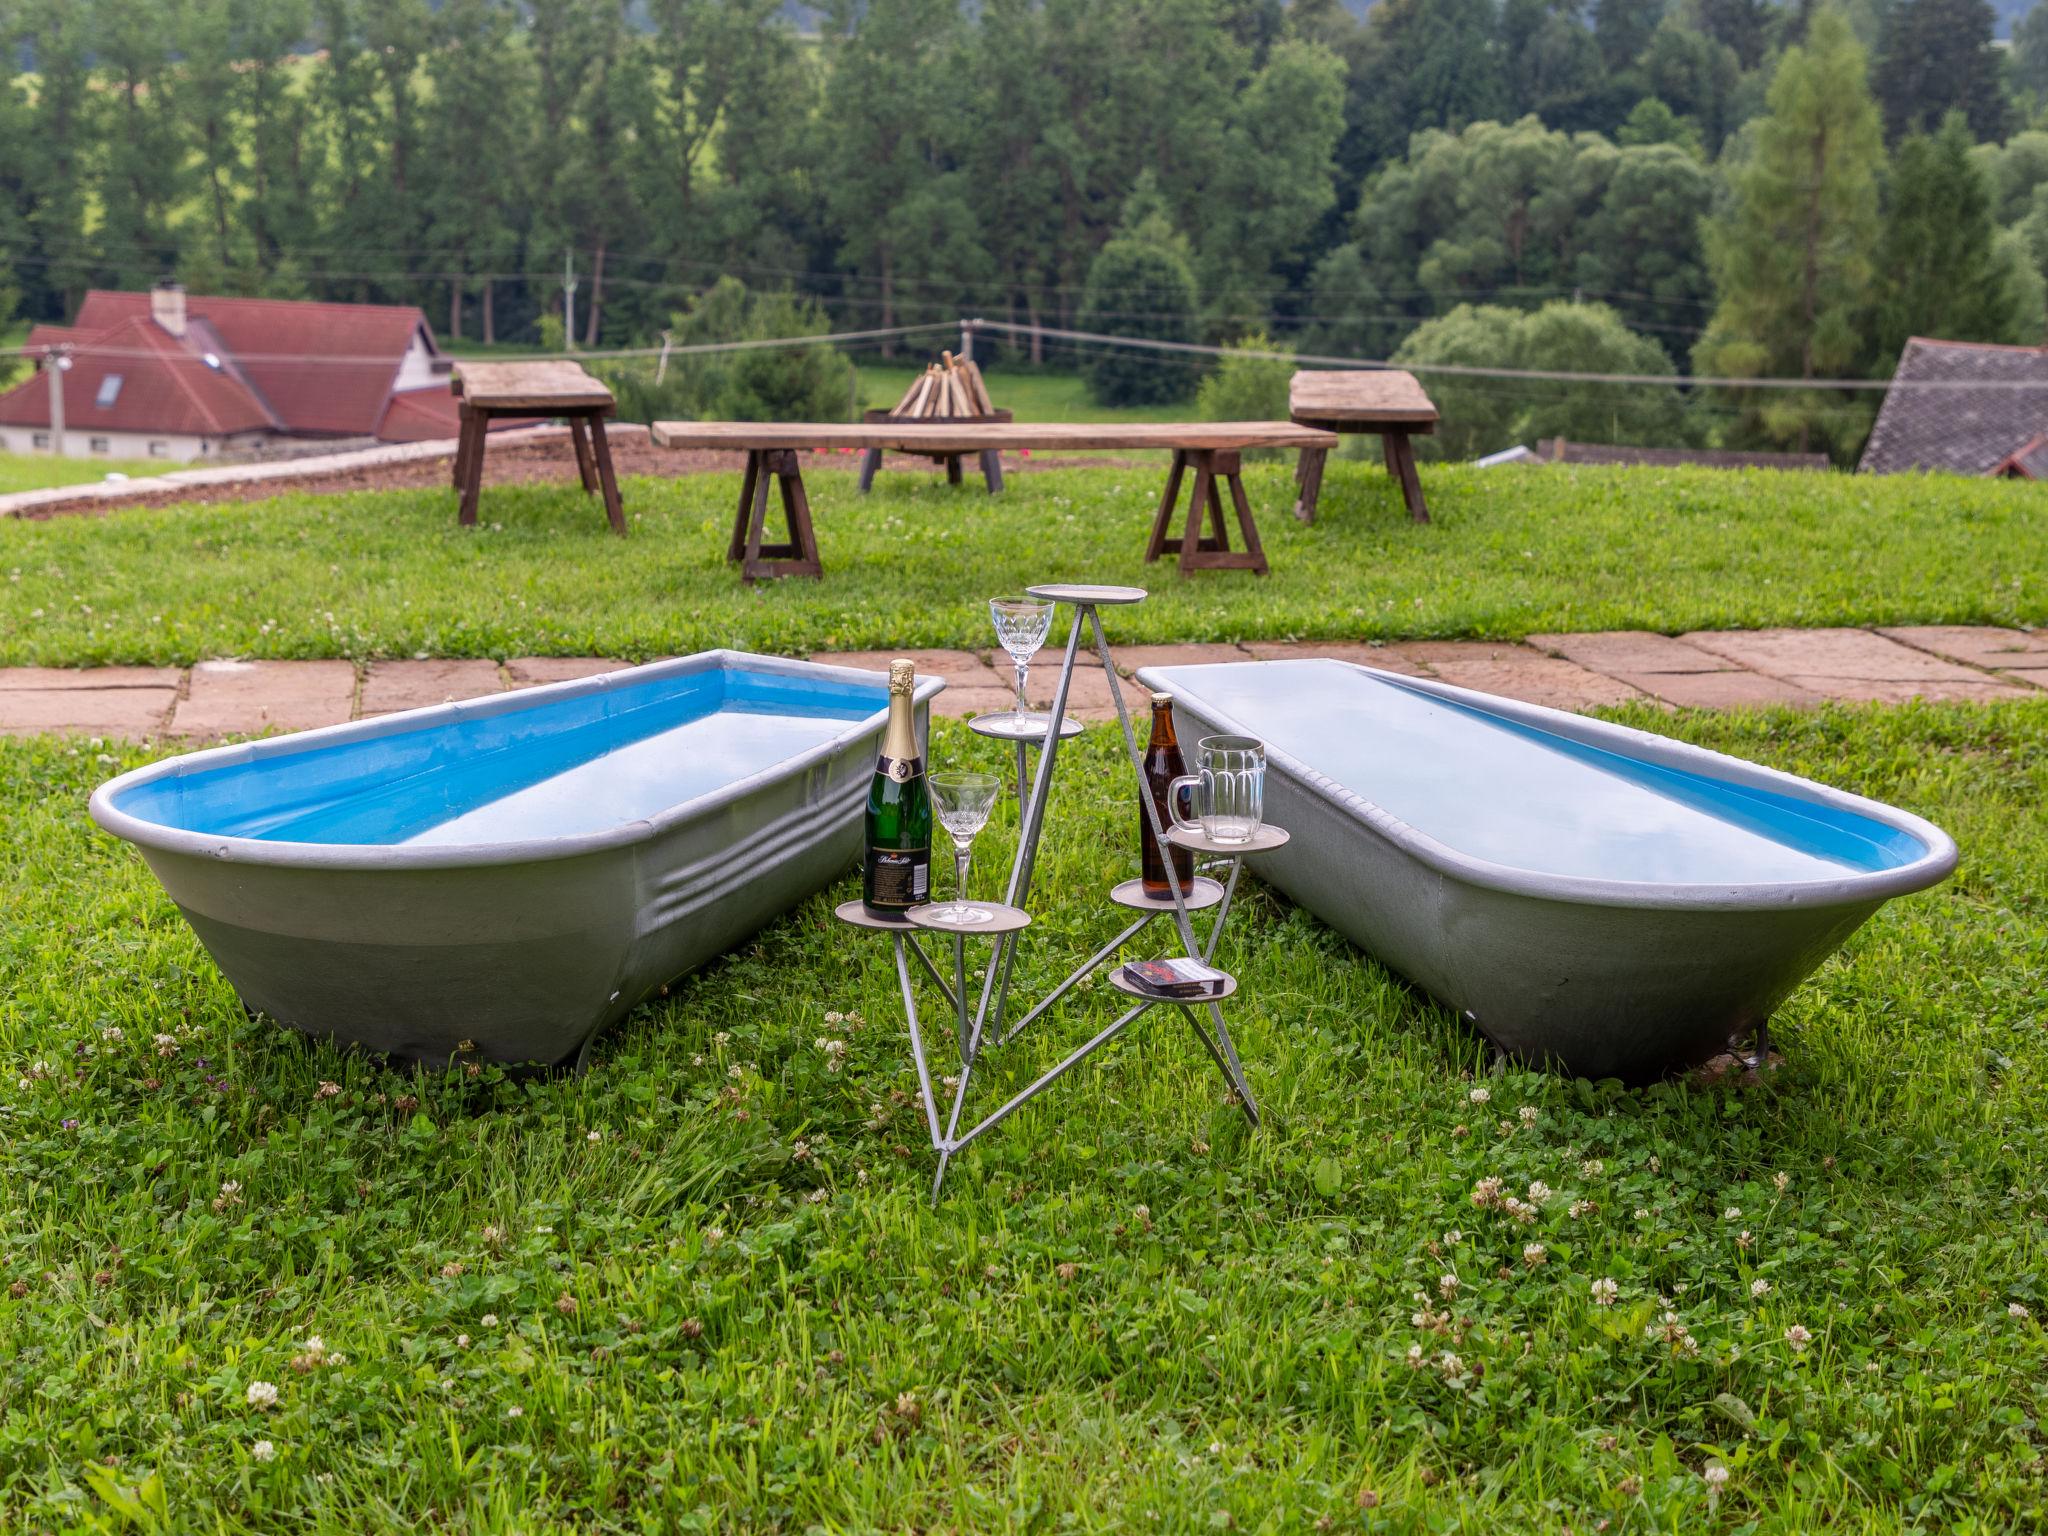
{"x": 564, "y": 766}
{"x": 1529, "y": 799}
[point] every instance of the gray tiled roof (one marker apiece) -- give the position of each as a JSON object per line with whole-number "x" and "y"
{"x": 1558, "y": 451}
{"x": 1960, "y": 431}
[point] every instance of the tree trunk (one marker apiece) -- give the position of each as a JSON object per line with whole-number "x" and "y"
{"x": 490, "y": 329}
{"x": 455, "y": 309}
{"x": 596, "y": 297}
{"x": 888, "y": 298}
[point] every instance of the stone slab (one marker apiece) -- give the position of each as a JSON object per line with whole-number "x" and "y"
{"x": 233, "y": 698}
{"x": 1385, "y": 657}
{"x": 390, "y": 686}
{"x": 128, "y": 712}
{"x": 1733, "y": 689}
{"x": 1977, "y": 689}
{"x": 1978, "y": 645}
{"x": 1534, "y": 679}
{"x": 532, "y": 671}
{"x": 1629, "y": 651}
{"x": 2036, "y": 677}
{"x": 30, "y": 679}
{"x": 961, "y": 669}
{"x": 1801, "y": 654}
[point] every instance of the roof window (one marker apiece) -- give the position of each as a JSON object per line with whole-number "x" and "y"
{"x": 212, "y": 360}
{"x": 110, "y": 391}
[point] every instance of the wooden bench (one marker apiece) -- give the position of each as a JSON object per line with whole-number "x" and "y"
{"x": 1211, "y": 450}
{"x": 1383, "y": 400}
{"x": 555, "y": 387}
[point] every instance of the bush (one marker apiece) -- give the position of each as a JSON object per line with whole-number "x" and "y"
{"x": 1247, "y": 388}
{"x": 1140, "y": 285}
{"x": 810, "y": 383}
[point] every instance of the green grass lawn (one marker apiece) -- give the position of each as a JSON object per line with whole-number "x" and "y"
{"x": 1511, "y": 552}
{"x": 39, "y": 471}
{"x": 700, "y": 1287}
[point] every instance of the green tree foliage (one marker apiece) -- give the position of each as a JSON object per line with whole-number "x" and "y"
{"x": 2029, "y": 72}
{"x": 796, "y": 384}
{"x": 1245, "y": 387}
{"x": 1937, "y": 57}
{"x": 1792, "y": 253}
{"x": 477, "y": 117}
{"x": 1349, "y": 317}
{"x": 1428, "y": 64}
{"x": 1485, "y": 415}
{"x": 1141, "y": 285}
{"x": 1941, "y": 275}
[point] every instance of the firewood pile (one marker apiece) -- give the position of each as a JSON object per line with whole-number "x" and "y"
{"x": 949, "y": 388}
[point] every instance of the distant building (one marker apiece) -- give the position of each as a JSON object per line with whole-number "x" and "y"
{"x": 1940, "y": 422}
{"x": 164, "y": 375}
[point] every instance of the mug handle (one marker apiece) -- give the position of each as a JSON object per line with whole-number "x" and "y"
{"x": 1190, "y": 781}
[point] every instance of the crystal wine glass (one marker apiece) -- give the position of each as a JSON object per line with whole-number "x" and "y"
{"x": 962, "y": 802}
{"x": 1021, "y": 625}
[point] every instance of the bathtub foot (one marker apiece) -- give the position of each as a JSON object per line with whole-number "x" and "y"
{"x": 1760, "y": 1039}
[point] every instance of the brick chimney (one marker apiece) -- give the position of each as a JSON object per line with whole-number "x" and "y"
{"x": 167, "y": 306}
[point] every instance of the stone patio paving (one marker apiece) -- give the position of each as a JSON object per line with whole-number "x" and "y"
{"x": 1720, "y": 669}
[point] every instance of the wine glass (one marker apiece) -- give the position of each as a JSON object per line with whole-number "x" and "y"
{"x": 962, "y": 802}
{"x": 1021, "y": 625}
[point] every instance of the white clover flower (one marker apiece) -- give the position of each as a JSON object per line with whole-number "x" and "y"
{"x": 1716, "y": 1475}
{"x": 1604, "y": 1292}
{"x": 515, "y": 1412}
{"x": 261, "y": 1395}
{"x": 315, "y": 1345}
{"x": 1733, "y": 1213}
{"x": 1592, "y": 1168}
{"x": 1759, "y": 1287}
{"x": 2014, "y": 1309}
{"x": 1453, "y": 1237}
{"x": 1798, "y": 1337}
{"x": 1534, "y": 1254}
{"x": 462, "y": 1341}
{"x": 1527, "y": 1113}
{"x": 489, "y": 1319}
{"x": 262, "y": 1450}
{"x": 1486, "y": 1193}
{"x": 1414, "y": 1357}
{"x": 1480, "y": 1095}
{"x": 1539, "y": 1192}
{"x": 1578, "y": 1208}
{"x": 595, "y": 1136}
{"x": 1447, "y": 1285}
{"x": 1781, "y": 1181}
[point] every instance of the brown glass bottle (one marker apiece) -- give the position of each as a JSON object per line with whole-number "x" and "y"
{"x": 1163, "y": 764}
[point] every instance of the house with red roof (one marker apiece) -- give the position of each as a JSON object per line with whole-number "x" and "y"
{"x": 166, "y": 375}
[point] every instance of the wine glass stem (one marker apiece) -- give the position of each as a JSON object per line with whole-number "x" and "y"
{"x": 963, "y": 855}
{"x": 1023, "y": 676}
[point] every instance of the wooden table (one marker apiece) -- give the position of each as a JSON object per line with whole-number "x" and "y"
{"x": 555, "y": 387}
{"x": 1210, "y": 449}
{"x": 1383, "y": 400}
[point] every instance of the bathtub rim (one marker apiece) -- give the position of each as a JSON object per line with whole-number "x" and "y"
{"x": 1933, "y": 866}
{"x": 155, "y": 836}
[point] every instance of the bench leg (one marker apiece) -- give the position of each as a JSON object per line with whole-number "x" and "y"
{"x": 472, "y": 464}
{"x": 1247, "y": 525}
{"x": 1401, "y": 465}
{"x": 953, "y": 475}
{"x": 579, "y": 434}
{"x": 608, "y": 482}
{"x": 1155, "y": 546}
{"x": 797, "y": 557}
{"x": 1214, "y": 468}
{"x": 459, "y": 475}
{"x": 737, "y": 549}
{"x": 1308, "y": 478}
{"x": 992, "y": 469}
{"x": 869, "y": 463}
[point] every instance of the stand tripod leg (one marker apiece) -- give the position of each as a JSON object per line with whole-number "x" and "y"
{"x": 924, "y": 1075}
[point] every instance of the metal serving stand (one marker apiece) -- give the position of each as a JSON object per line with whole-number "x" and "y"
{"x": 988, "y": 1023}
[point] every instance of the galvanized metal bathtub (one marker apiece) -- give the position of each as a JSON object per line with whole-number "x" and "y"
{"x": 515, "y": 871}
{"x": 1596, "y": 898}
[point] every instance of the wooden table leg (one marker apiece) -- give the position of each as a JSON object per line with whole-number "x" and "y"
{"x": 1308, "y": 478}
{"x": 953, "y": 475}
{"x": 1401, "y": 465}
{"x": 1155, "y": 546}
{"x": 580, "y": 436}
{"x": 1247, "y": 525}
{"x": 869, "y": 463}
{"x": 473, "y": 424}
{"x": 737, "y": 549}
{"x": 1215, "y": 468}
{"x": 992, "y": 469}
{"x": 797, "y": 557}
{"x": 608, "y": 481}
{"x": 461, "y": 468}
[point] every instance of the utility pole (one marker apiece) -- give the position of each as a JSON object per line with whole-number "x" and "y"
{"x": 967, "y": 328}
{"x": 569, "y": 298}
{"x": 56, "y": 363}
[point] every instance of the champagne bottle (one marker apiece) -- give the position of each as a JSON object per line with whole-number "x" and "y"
{"x": 896, "y": 868}
{"x": 1163, "y": 764}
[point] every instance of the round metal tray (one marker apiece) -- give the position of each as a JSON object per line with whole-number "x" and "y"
{"x": 1203, "y": 893}
{"x": 1265, "y": 840}
{"x": 1081, "y": 592}
{"x": 1002, "y": 919}
{"x": 994, "y": 727}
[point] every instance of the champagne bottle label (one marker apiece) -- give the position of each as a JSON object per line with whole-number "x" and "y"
{"x": 901, "y": 876}
{"x": 901, "y": 769}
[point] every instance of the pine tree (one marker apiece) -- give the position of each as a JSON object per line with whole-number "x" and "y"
{"x": 1792, "y": 257}
{"x": 1940, "y": 273}
{"x": 1937, "y": 57}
